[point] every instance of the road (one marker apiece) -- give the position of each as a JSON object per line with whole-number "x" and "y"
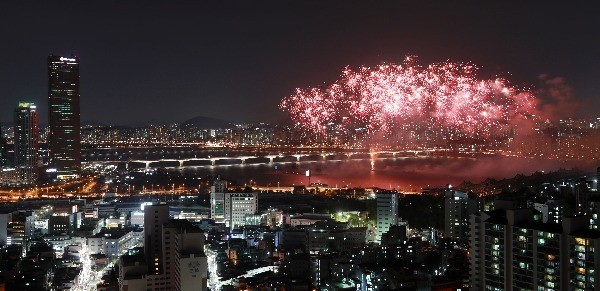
{"x": 89, "y": 278}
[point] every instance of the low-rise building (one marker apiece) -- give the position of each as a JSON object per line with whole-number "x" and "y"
{"x": 112, "y": 243}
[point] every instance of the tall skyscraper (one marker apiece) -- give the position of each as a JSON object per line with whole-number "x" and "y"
{"x": 3, "y": 149}
{"x": 387, "y": 212}
{"x": 26, "y": 135}
{"x": 63, "y": 115}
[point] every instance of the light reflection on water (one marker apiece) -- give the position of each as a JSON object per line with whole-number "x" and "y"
{"x": 402, "y": 173}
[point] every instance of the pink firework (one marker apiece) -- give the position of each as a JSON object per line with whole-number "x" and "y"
{"x": 391, "y": 95}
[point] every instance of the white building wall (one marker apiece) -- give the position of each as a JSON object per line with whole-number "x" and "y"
{"x": 4, "y": 219}
{"x": 387, "y": 212}
{"x": 193, "y": 273}
{"x": 238, "y": 206}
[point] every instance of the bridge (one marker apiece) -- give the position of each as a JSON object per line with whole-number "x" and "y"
{"x": 272, "y": 158}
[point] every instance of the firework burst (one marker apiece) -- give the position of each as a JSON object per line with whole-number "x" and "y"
{"x": 389, "y": 96}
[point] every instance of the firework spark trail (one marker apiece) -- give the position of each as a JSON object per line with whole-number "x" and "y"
{"x": 384, "y": 97}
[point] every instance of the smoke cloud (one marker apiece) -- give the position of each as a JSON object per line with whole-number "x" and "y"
{"x": 556, "y": 98}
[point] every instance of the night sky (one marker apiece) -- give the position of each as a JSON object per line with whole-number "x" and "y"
{"x": 144, "y": 62}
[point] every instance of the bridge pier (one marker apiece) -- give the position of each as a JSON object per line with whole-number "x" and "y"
{"x": 147, "y": 165}
{"x": 270, "y": 159}
{"x": 213, "y": 162}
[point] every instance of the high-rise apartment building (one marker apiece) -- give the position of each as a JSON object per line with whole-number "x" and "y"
{"x": 387, "y": 211}
{"x": 26, "y": 135}
{"x": 458, "y": 207}
{"x": 551, "y": 210}
{"x": 185, "y": 263}
{"x": 155, "y": 216}
{"x": 64, "y": 115}
{"x": 593, "y": 213}
{"x": 512, "y": 251}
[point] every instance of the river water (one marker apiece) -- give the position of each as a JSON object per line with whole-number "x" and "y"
{"x": 407, "y": 173}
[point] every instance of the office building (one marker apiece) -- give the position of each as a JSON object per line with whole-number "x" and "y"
{"x": 64, "y": 116}
{"x": 387, "y": 211}
{"x": 10, "y": 176}
{"x": 510, "y": 250}
{"x": 231, "y": 208}
{"x": 26, "y": 136}
{"x": 65, "y": 219}
{"x": 21, "y": 227}
{"x": 239, "y": 206}
{"x": 217, "y": 200}
{"x": 60, "y": 224}
{"x": 458, "y": 207}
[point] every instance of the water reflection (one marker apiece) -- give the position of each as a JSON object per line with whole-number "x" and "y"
{"x": 400, "y": 173}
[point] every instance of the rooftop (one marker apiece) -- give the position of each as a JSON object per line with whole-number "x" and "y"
{"x": 183, "y": 224}
{"x": 546, "y": 227}
{"x": 586, "y": 233}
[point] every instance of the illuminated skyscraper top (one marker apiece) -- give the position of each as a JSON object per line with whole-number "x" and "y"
{"x": 64, "y": 116}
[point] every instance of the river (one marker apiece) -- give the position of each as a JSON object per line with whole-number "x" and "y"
{"x": 407, "y": 173}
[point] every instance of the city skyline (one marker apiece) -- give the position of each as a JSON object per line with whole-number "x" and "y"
{"x": 305, "y": 145}
{"x": 256, "y": 65}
